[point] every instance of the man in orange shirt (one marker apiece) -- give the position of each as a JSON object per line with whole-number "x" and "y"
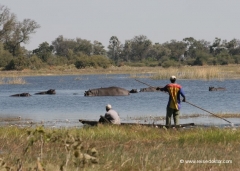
{"x": 174, "y": 103}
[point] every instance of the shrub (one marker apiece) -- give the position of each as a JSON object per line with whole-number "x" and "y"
{"x": 223, "y": 58}
{"x": 34, "y": 62}
{"x": 135, "y": 64}
{"x": 101, "y": 61}
{"x": 236, "y": 59}
{"x": 151, "y": 63}
{"x": 92, "y": 61}
{"x": 169, "y": 63}
{"x": 18, "y": 63}
{"x": 82, "y": 62}
{"x": 5, "y": 56}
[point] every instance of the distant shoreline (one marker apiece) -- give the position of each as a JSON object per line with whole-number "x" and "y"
{"x": 184, "y": 72}
{"x": 25, "y": 122}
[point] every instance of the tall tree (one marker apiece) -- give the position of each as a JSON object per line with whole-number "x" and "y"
{"x": 193, "y": 46}
{"x": 217, "y": 47}
{"x": 234, "y": 47}
{"x": 139, "y": 47}
{"x": 44, "y": 51}
{"x": 62, "y": 45}
{"x": 84, "y": 46}
{"x": 127, "y": 50}
{"x": 114, "y": 49}
{"x": 157, "y": 52}
{"x": 177, "y": 48}
{"x": 98, "y": 48}
{"x": 13, "y": 33}
{"x": 68, "y": 47}
{"x": 5, "y": 56}
{"x": 7, "y": 21}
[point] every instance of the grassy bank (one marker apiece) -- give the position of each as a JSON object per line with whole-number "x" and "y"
{"x": 185, "y": 72}
{"x": 119, "y": 148}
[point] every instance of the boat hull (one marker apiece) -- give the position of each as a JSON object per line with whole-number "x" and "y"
{"x": 95, "y": 123}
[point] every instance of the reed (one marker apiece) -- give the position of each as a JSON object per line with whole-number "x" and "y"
{"x": 151, "y": 119}
{"x": 205, "y": 73}
{"x": 2, "y": 80}
{"x": 16, "y": 80}
{"x": 12, "y": 80}
{"x": 111, "y": 147}
{"x": 183, "y": 72}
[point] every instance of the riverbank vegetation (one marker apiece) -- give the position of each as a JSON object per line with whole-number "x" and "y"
{"x": 79, "y": 54}
{"x": 184, "y": 72}
{"x": 111, "y": 147}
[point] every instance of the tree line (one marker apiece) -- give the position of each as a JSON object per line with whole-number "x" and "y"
{"x": 138, "y": 51}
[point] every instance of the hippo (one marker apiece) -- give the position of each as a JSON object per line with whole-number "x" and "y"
{"x": 108, "y": 91}
{"x": 216, "y": 89}
{"x": 149, "y": 89}
{"x": 50, "y": 91}
{"x": 133, "y": 91}
{"x": 21, "y": 95}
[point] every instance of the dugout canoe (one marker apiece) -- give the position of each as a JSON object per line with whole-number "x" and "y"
{"x": 94, "y": 123}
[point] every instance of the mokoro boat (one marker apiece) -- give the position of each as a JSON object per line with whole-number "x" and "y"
{"x": 94, "y": 123}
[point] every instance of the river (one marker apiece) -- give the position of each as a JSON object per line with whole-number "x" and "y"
{"x": 69, "y": 104}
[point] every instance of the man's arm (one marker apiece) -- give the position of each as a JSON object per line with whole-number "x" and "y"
{"x": 108, "y": 116}
{"x": 161, "y": 88}
{"x": 183, "y": 95}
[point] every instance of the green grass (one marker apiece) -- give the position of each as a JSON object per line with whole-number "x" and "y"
{"x": 113, "y": 147}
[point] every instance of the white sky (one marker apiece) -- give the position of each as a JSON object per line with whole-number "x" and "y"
{"x": 159, "y": 20}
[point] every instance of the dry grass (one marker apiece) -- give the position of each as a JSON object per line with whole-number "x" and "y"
{"x": 185, "y": 72}
{"x": 12, "y": 80}
{"x": 204, "y": 72}
{"x": 120, "y": 148}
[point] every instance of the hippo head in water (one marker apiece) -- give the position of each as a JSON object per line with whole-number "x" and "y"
{"x": 216, "y": 89}
{"x": 21, "y": 95}
{"x": 90, "y": 92}
{"x": 133, "y": 91}
{"x": 51, "y": 91}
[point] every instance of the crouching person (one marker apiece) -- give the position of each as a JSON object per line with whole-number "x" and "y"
{"x": 111, "y": 116}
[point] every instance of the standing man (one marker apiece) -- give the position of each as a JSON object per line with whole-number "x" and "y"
{"x": 174, "y": 103}
{"x": 111, "y": 116}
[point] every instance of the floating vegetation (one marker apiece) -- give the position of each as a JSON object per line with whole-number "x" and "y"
{"x": 80, "y": 78}
{"x": 12, "y": 80}
{"x": 229, "y": 115}
{"x": 160, "y": 118}
{"x": 141, "y": 75}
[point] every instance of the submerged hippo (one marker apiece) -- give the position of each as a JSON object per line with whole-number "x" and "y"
{"x": 21, "y": 95}
{"x": 149, "y": 89}
{"x": 108, "y": 91}
{"x": 133, "y": 91}
{"x": 216, "y": 89}
{"x": 50, "y": 91}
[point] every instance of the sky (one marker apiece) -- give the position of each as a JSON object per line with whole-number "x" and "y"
{"x": 160, "y": 20}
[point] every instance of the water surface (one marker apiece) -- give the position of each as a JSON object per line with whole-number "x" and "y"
{"x": 69, "y": 103}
